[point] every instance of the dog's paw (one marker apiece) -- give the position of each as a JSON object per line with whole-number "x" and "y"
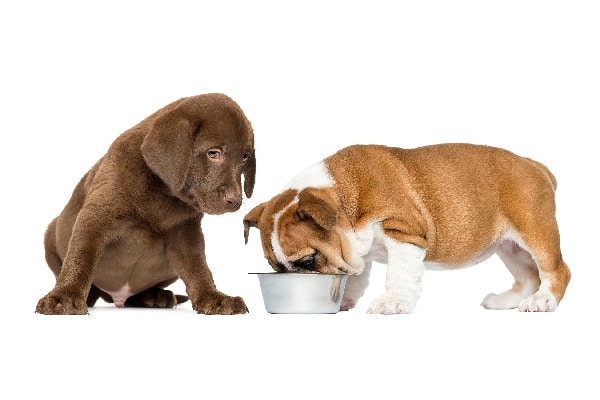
{"x": 219, "y": 303}
{"x": 57, "y": 303}
{"x": 502, "y": 301}
{"x": 155, "y": 298}
{"x": 347, "y": 304}
{"x": 539, "y": 302}
{"x": 391, "y": 304}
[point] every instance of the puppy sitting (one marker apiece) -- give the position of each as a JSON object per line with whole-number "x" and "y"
{"x": 443, "y": 206}
{"x": 132, "y": 226}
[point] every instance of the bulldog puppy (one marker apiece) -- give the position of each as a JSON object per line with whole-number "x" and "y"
{"x": 441, "y": 207}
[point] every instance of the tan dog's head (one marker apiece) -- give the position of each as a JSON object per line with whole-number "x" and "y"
{"x": 200, "y": 147}
{"x": 303, "y": 232}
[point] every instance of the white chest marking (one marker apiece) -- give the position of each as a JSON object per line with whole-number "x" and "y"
{"x": 367, "y": 243}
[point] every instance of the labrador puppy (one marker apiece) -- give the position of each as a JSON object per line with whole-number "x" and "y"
{"x": 133, "y": 223}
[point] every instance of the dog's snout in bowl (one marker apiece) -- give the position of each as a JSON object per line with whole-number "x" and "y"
{"x": 297, "y": 293}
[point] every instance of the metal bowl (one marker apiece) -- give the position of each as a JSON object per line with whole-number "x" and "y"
{"x": 296, "y": 293}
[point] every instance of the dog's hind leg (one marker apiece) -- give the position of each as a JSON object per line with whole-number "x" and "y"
{"x": 156, "y": 297}
{"x": 525, "y": 272}
{"x": 553, "y": 272}
{"x": 541, "y": 275}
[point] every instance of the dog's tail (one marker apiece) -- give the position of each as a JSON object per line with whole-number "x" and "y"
{"x": 181, "y": 298}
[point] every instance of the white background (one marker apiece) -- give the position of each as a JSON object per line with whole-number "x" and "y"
{"x": 312, "y": 77}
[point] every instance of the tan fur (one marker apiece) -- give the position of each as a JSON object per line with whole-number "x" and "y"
{"x": 456, "y": 201}
{"x": 133, "y": 223}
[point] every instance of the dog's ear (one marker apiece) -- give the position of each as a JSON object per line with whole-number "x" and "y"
{"x": 251, "y": 219}
{"x": 317, "y": 206}
{"x": 167, "y": 148}
{"x": 254, "y": 217}
{"x": 249, "y": 175}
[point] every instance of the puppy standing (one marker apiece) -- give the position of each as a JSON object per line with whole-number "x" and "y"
{"x": 442, "y": 206}
{"x": 132, "y": 226}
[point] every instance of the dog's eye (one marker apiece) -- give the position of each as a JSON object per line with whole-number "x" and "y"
{"x": 306, "y": 262}
{"x": 214, "y": 154}
{"x": 245, "y": 157}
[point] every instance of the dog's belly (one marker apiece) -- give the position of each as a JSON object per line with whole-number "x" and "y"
{"x": 132, "y": 263}
{"x": 378, "y": 253}
{"x": 481, "y": 257}
{"x": 508, "y": 238}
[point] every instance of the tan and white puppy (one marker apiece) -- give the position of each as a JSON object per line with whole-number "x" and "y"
{"x": 442, "y": 206}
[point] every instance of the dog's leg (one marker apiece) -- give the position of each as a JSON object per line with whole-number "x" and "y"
{"x": 355, "y": 288}
{"x": 156, "y": 297}
{"x": 55, "y": 264}
{"x": 185, "y": 251}
{"x": 153, "y": 298}
{"x": 531, "y": 214}
{"x": 52, "y": 258}
{"x": 525, "y": 272}
{"x": 403, "y": 284}
{"x": 89, "y": 235}
{"x": 554, "y": 273}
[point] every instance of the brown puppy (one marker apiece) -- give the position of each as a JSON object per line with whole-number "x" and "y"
{"x": 132, "y": 225}
{"x": 442, "y": 206}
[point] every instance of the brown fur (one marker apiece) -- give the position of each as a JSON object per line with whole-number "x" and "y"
{"x": 135, "y": 217}
{"x": 454, "y": 200}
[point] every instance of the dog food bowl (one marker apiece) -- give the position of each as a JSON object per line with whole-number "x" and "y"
{"x": 296, "y": 293}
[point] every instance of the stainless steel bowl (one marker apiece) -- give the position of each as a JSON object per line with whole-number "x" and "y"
{"x": 295, "y": 293}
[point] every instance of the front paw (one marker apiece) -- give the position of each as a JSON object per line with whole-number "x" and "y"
{"x": 389, "y": 304}
{"x": 219, "y": 303}
{"x": 347, "y": 304}
{"x": 58, "y": 302}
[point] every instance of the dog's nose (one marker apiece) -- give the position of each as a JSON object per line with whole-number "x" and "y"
{"x": 232, "y": 200}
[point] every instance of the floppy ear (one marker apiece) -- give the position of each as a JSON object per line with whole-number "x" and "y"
{"x": 249, "y": 175}
{"x": 319, "y": 208}
{"x": 167, "y": 149}
{"x": 251, "y": 219}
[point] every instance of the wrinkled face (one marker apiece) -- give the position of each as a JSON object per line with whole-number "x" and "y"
{"x": 213, "y": 184}
{"x": 301, "y": 245}
{"x": 305, "y": 235}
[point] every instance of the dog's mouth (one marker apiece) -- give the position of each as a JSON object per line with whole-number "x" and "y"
{"x": 216, "y": 206}
{"x": 210, "y": 198}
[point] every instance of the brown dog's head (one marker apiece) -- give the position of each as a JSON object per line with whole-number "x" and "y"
{"x": 303, "y": 232}
{"x": 200, "y": 147}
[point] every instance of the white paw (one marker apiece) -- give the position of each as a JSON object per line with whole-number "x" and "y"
{"x": 540, "y": 301}
{"x": 391, "y": 304}
{"x": 347, "y": 304}
{"x": 502, "y": 301}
